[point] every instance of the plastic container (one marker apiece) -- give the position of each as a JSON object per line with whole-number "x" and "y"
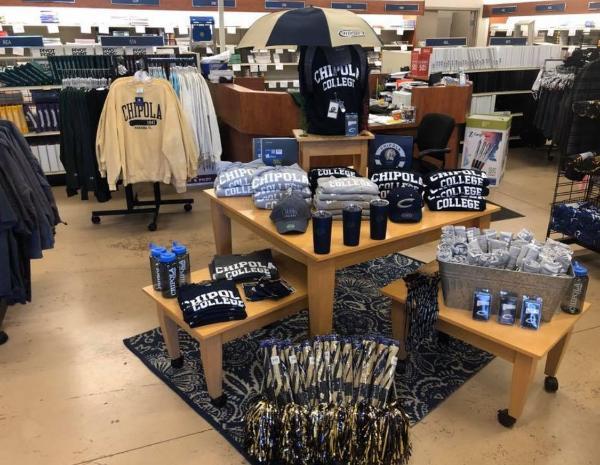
{"x": 168, "y": 274}
{"x": 575, "y": 298}
{"x": 183, "y": 263}
{"x": 155, "y": 253}
{"x": 459, "y": 281}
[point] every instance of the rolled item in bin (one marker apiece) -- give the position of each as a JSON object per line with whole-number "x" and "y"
{"x": 531, "y": 266}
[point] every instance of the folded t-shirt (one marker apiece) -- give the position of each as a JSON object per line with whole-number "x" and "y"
{"x": 456, "y": 204}
{"x": 210, "y": 302}
{"x": 355, "y": 185}
{"x": 450, "y": 178}
{"x": 387, "y": 180}
{"x": 458, "y": 191}
{"x": 244, "y": 267}
{"x": 334, "y": 171}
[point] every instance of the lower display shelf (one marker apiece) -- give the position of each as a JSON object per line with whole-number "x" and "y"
{"x": 41, "y": 134}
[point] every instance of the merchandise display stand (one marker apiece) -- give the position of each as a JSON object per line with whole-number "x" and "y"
{"x": 133, "y": 203}
{"x": 212, "y": 337}
{"x": 312, "y": 146}
{"x": 521, "y": 347}
{"x": 321, "y": 268}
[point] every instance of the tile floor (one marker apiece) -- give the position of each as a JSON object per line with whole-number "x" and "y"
{"x": 71, "y": 393}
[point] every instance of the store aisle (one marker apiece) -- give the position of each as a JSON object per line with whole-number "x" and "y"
{"x": 71, "y": 393}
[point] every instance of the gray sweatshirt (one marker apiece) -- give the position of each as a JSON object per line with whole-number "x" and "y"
{"x": 347, "y": 186}
{"x": 279, "y": 178}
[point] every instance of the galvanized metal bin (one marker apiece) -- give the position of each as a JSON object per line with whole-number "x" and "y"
{"x": 459, "y": 281}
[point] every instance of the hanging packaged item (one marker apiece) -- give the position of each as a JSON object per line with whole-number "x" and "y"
{"x": 244, "y": 267}
{"x": 507, "y": 308}
{"x": 486, "y": 145}
{"x": 531, "y": 312}
{"x": 482, "y": 304}
{"x": 211, "y": 302}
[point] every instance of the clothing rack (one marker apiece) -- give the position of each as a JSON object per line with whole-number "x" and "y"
{"x": 166, "y": 62}
{"x": 148, "y": 206}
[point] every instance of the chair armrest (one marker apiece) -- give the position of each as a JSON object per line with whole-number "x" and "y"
{"x": 436, "y": 153}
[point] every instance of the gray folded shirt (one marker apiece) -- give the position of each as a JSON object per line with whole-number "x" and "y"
{"x": 273, "y": 178}
{"x": 319, "y": 194}
{"x": 347, "y": 186}
{"x": 236, "y": 174}
{"x": 338, "y": 205}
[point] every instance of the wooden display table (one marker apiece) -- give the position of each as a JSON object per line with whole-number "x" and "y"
{"x": 321, "y": 268}
{"x": 522, "y": 347}
{"x": 312, "y": 146}
{"x": 212, "y": 337}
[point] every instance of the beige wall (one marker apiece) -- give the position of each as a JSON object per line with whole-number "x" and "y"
{"x": 454, "y": 4}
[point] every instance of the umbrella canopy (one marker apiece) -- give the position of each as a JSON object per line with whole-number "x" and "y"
{"x": 312, "y": 26}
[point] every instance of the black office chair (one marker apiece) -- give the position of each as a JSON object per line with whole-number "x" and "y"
{"x": 433, "y": 135}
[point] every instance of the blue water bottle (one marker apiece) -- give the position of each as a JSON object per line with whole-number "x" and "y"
{"x": 168, "y": 274}
{"x": 183, "y": 263}
{"x": 155, "y": 252}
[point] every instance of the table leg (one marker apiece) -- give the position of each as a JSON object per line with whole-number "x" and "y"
{"x": 211, "y": 353}
{"x": 399, "y": 328}
{"x": 523, "y": 371}
{"x": 484, "y": 222}
{"x": 363, "y": 159}
{"x": 169, "y": 332}
{"x": 221, "y": 229}
{"x": 321, "y": 286}
{"x": 556, "y": 354}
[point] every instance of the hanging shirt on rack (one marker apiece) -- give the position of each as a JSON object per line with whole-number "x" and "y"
{"x": 143, "y": 136}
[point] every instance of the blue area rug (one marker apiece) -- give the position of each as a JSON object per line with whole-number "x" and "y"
{"x": 433, "y": 371}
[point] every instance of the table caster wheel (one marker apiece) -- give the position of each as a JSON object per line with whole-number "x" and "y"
{"x": 96, "y": 219}
{"x": 551, "y": 384}
{"x": 177, "y": 362}
{"x": 505, "y": 419}
{"x": 3, "y": 337}
{"x": 187, "y": 207}
{"x": 219, "y": 402}
{"x": 152, "y": 227}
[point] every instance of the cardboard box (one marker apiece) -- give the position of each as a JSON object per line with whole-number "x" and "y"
{"x": 275, "y": 150}
{"x": 486, "y": 145}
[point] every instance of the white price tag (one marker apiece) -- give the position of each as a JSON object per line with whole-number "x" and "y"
{"x": 209, "y": 50}
{"x": 377, "y": 30}
{"x": 404, "y": 48}
{"x": 18, "y": 51}
{"x": 311, "y": 360}
{"x": 236, "y": 67}
{"x": 394, "y": 361}
{"x": 509, "y": 33}
{"x": 18, "y": 29}
{"x": 231, "y": 30}
{"x": 272, "y": 84}
{"x": 263, "y": 67}
{"x": 296, "y": 83}
{"x": 327, "y": 356}
{"x": 572, "y": 32}
{"x": 169, "y": 29}
{"x": 183, "y": 29}
{"x": 2, "y": 51}
{"x": 283, "y": 84}
{"x": 551, "y": 32}
{"x": 85, "y": 28}
{"x": 291, "y": 49}
{"x": 251, "y": 59}
{"x": 400, "y": 31}
{"x": 35, "y": 52}
{"x": 334, "y": 108}
{"x": 292, "y": 359}
{"x": 279, "y": 51}
{"x": 254, "y": 68}
{"x": 52, "y": 28}
{"x": 279, "y": 67}
{"x": 377, "y": 49}
{"x": 276, "y": 58}
{"x": 103, "y": 28}
{"x": 275, "y": 360}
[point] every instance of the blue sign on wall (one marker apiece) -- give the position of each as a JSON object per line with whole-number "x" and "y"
{"x": 388, "y": 151}
{"x": 269, "y": 5}
{"x": 136, "y": 2}
{"x": 21, "y": 41}
{"x": 502, "y": 10}
{"x": 446, "y": 42}
{"x": 550, "y": 7}
{"x": 132, "y": 41}
{"x": 508, "y": 40}
{"x": 594, "y": 5}
{"x": 349, "y": 6}
{"x": 212, "y": 3}
{"x": 407, "y": 7}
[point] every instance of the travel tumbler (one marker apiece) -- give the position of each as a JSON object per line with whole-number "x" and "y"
{"x": 168, "y": 274}
{"x": 378, "y": 215}
{"x": 351, "y": 216}
{"x": 322, "y": 222}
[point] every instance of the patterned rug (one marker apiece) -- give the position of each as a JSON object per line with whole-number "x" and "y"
{"x": 431, "y": 374}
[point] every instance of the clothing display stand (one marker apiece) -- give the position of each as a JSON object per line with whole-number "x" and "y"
{"x": 316, "y": 146}
{"x": 133, "y": 203}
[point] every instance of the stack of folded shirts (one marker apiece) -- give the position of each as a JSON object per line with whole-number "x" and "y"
{"x": 457, "y": 190}
{"x": 210, "y": 302}
{"x": 334, "y": 194}
{"x": 244, "y": 267}
{"x": 336, "y": 171}
{"x": 390, "y": 179}
{"x": 235, "y": 179}
{"x": 271, "y": 183}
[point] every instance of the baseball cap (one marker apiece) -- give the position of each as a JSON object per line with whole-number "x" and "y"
{"x": 406, "y": 205}
{"x": 291, "y": 214}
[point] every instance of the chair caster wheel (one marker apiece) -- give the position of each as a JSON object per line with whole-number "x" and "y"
{"x": 152, "y": 227}
{"x": 96, "y": 219}
{"x": 505, "y": 419}
{"x": 550, "y": 384}
{"x": 187, "y": 207}
{"x": 219, "y": 402}
{"x": 177, "y": 362}
{"x": 3, "y": 337}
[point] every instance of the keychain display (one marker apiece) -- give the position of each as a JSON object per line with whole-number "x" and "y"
{"x": 329, "y": 401}
{"x": 531, "y": 312}
{"x": 482, "y": 304}
{"x": 507, "y": 308}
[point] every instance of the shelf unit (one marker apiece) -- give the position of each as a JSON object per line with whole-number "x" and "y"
{"x": 503, "y": 92}
{"x": 41, "y": 134}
